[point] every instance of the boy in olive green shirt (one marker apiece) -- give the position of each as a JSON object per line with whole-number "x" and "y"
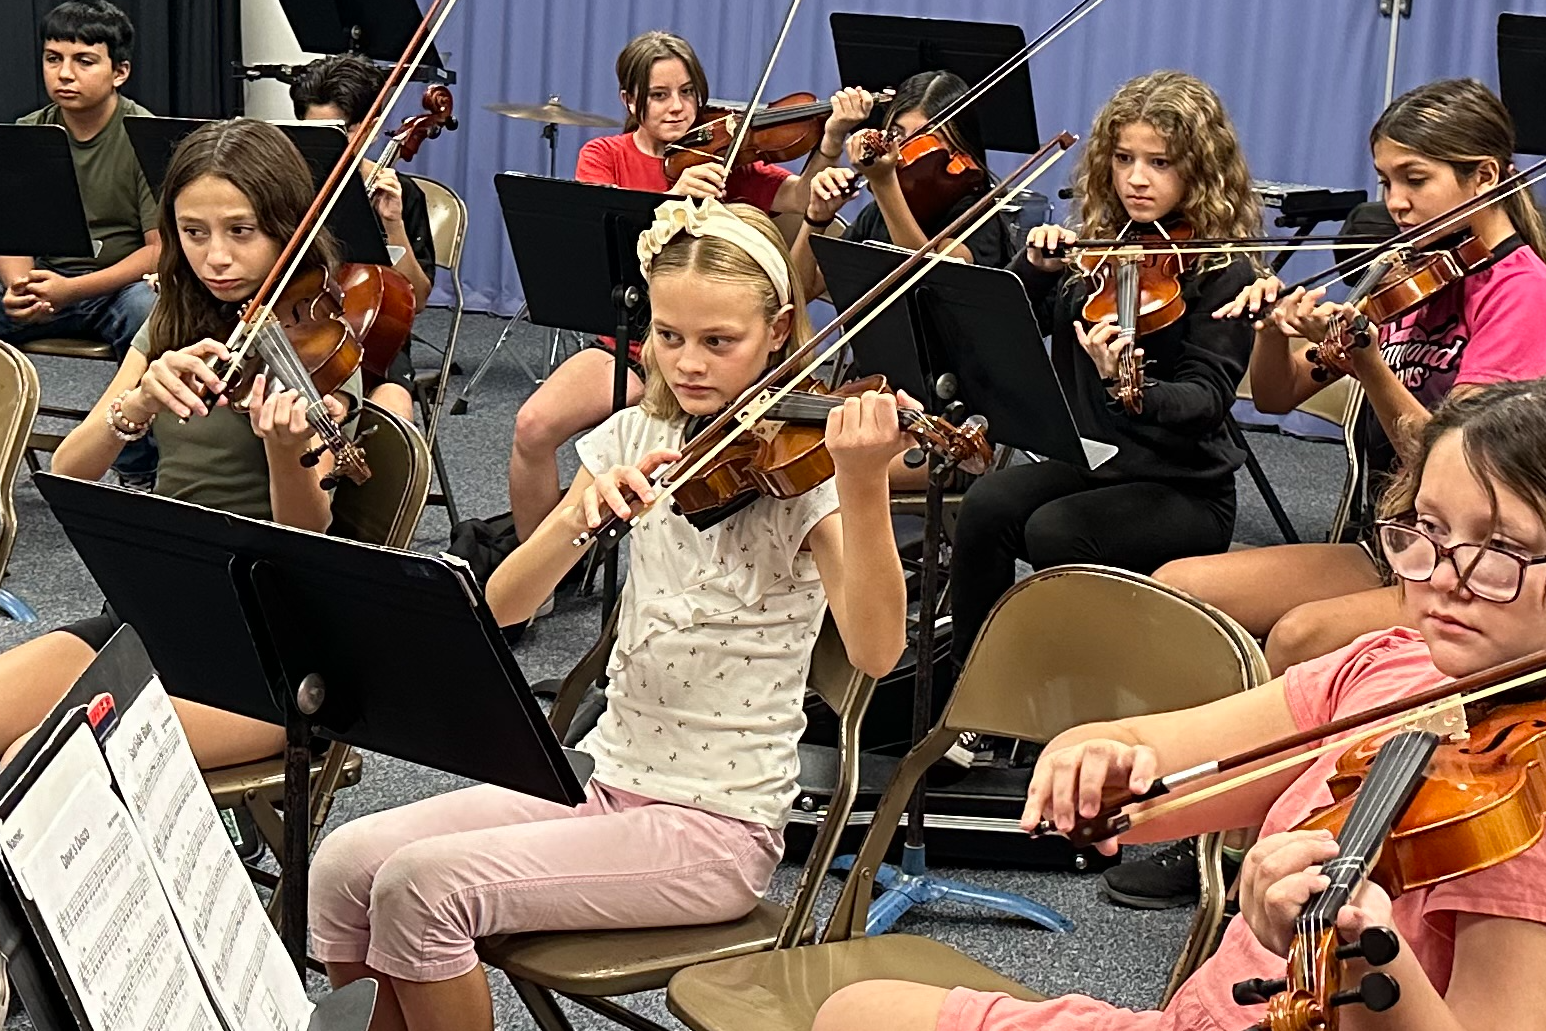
{"x": 86, "y": 50}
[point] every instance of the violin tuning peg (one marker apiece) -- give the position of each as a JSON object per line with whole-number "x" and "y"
{"x": 914, "y": 457}
{"x": 1257, "y": 990}
{"x": 1376, "y": 992}
{"x": 955, "y": 411}
{"x": 1375, "y": 946}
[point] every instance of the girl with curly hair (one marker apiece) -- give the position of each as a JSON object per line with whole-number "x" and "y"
{"x": 1161, "y": 151}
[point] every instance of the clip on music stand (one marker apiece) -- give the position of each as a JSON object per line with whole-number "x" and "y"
{"x": 121, "y": 669}
{"x": 352, "y": 221}
{"x": 963, "y": 338}
{"x": 576, "y": 249}
{"x": 1521, "y": 66}
{"x": 317, "y": 634}
{"x": 877, "y": 51}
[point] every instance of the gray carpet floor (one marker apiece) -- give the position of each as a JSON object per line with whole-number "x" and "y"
{"x": 1117, "y": 954}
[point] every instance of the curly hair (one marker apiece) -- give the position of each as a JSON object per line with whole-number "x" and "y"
{"x": 1203, "y": 149}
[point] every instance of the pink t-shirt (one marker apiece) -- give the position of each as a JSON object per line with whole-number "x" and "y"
{"x": 1490, "y": 327}
{"x": 1376, "y": 668}
{"x": 618, "y": 161}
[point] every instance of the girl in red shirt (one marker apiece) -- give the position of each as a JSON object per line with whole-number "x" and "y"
{"x": 662, "y": 84}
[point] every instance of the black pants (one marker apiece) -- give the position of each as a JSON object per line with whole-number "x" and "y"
{"x": 1050, "y": 513}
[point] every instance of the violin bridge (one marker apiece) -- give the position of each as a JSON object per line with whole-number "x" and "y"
{"x": 1449, "y": 723}
{"x": 763, "y": 429}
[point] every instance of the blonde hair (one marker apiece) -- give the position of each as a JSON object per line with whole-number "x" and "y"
{"x": 722, "y": 261}
{"x": 1202, "y": 147}
{"x": 636, "y": 60}
{"x": 1462, "y": 123}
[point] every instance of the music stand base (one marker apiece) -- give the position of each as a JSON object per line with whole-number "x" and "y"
{"x": 17, "y": 609}
{"x": 911, "y": 885}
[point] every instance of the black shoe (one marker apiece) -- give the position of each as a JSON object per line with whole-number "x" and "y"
{"x": 243, "y": 833}
{"x": 1165, "y": 880}
{"x": 143, "y": 482}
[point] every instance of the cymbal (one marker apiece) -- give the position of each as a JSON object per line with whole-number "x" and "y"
{"x": 554, "y": 112}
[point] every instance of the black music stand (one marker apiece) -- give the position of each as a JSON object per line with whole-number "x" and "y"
{"x": 880, "y": 50}
{"x": 315, "y": 633}
{"x": 50, "y": 222}
{"x": 576, "y": 249}
{"x": 377, "y": 29}
{"x": 352, "y": 221}
{"x": 964, "y": 338}
{"x": 121, "y": 669}
{"x": 1521, "y": 70}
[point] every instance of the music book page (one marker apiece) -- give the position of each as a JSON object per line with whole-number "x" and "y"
{"x": 75, "y": 851}
{"x": 253, "y": 983}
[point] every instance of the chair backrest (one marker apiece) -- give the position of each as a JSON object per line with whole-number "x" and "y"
{"x": 1354, "y": 493}
{"x": 447, "y": 223}
{"x": 19, "y": 393}
{"x": 384, "y": 509}
{"x": 1068, "y": 645}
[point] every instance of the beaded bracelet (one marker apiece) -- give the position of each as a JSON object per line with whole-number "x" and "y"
{"x": 117, "y": 421}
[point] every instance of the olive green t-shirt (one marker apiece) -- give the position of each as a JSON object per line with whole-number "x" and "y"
{"x": 216, "y": 461}
{"x": 120, "y": 208}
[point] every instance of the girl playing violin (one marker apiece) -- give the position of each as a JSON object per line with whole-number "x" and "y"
{"x": 888, "y": 218}
{"x": 233, "y": 195}
{"x": 1161, "y": 151}
{"x": 695, "y": 754}
{"x": 1434, "y": 147}
{"x": 662, "y": 85}
{"x": 1466, "y": 532}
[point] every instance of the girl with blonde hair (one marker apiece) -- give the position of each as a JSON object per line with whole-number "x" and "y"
{"x": 696, "y": 753}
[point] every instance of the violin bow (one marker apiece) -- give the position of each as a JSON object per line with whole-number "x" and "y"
{"x": 744, "y": 126}
{"x": 758, "y": 399}
{"x": 1430, "y": 704}
{"x": 261, "y": 306}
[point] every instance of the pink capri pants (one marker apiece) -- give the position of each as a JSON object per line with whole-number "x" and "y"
{"x": 406, "y": 891}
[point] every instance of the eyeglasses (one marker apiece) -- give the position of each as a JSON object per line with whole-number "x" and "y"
{"x": 1490, "y": 573}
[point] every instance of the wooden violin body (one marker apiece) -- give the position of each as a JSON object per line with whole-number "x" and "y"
{"x": 934, "y": 175}
{"x": 379, "y": 305}
{"x": 789, "y": 128}
{"x": 1482, "y": 802}
{"x": 787, "y": 454}
{"x": 310, "y": 313}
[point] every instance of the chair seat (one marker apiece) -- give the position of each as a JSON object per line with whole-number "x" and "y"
{"x": 603, "y": 963}
{"x": 61, "y": 347}
{"x": 781, "y": 991}
{"x": 231, "y": 784}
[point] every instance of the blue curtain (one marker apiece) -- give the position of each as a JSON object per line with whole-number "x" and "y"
{"x": 1303, "y": 81}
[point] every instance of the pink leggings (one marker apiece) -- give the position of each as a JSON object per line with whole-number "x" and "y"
{"x": 406, "y": 891}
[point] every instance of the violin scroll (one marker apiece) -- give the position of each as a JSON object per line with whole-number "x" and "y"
{"x": 1307, "y": 998}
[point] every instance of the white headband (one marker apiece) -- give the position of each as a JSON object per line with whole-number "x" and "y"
{"x": 711, "y": 218}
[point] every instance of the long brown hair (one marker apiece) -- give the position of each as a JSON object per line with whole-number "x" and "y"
{"x": 1462, "y": 123}
{"x": 261, "y": 162}
{"x": 714, "y": 258}
{"x": 1200, "y": 142}
{"x": 638, "y": 57}
{"x": 1504, "y": 442}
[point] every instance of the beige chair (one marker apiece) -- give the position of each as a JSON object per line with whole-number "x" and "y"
{"x": 18, "y": 409}
{"x": 448, "y": 227}
{"x": 384, "y": 510}
{"x": 1040, "y": 666}
{"x": 590, "y": 967}
{"x": 61, "y": 347}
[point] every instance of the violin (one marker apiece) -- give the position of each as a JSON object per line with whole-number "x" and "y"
{"x": 308, "y": 346}
{"x": 935, "y": 175}
{"x": 1142, "y": 288}
{"x": 793, "y": 458}
{"x": 379, "y": 301}
{"x": 787, "y": 129}
{"x": 1390, "y": 288}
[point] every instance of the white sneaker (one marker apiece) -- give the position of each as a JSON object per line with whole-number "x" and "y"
{"x": 545, "y": 609}
{"x": 5, "y": 992}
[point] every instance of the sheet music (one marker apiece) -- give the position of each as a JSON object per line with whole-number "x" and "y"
{"x": 75, "y": 851}
{"x": 252, "y": 981}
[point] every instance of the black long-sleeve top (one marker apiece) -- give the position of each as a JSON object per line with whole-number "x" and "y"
{"x": 1193, "y": 367}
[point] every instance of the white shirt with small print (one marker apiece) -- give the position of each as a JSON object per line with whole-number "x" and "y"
{"x": 706, "y": 684}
